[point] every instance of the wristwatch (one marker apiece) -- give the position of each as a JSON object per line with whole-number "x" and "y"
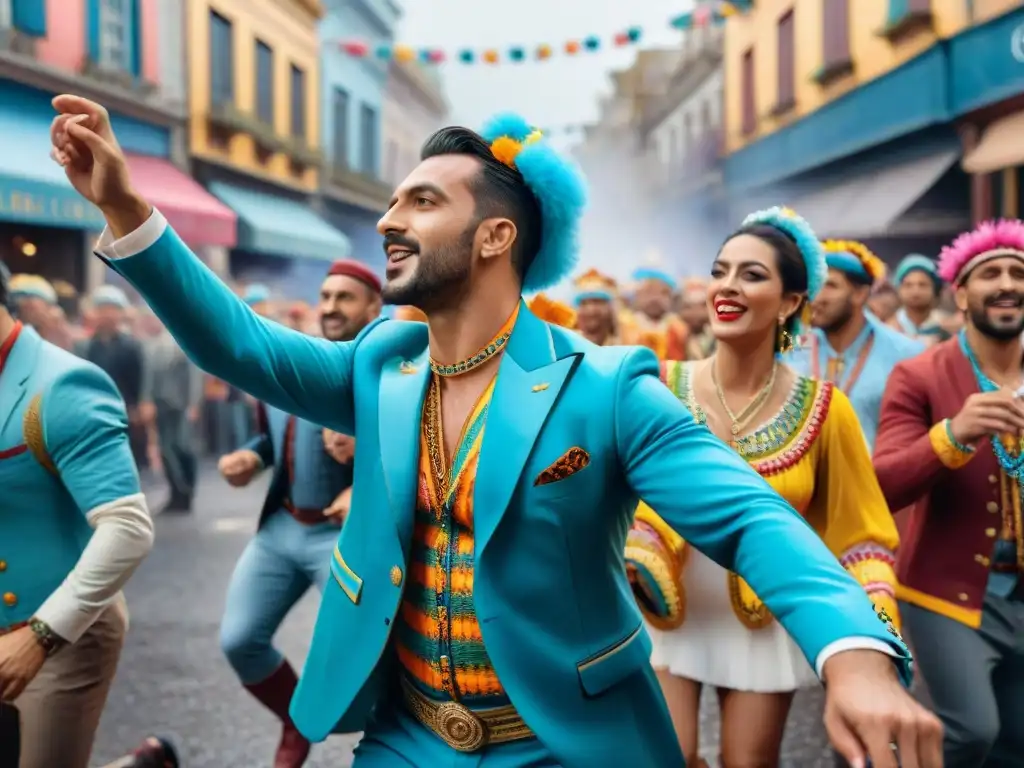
{"x": 49, "y": 640}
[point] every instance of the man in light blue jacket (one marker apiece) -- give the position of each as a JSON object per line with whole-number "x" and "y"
{"x": 478, "y": 612}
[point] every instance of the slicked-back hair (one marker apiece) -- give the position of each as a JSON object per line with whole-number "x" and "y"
{"x": 497, "y": 191}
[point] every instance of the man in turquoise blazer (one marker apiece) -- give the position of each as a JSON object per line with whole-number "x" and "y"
{"x": 575, "y": 435}
{"x": 73, "y": 527}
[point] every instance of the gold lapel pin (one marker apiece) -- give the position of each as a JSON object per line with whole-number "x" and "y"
{"x": 540, "y": 387}
{"x": 406, "y": 367}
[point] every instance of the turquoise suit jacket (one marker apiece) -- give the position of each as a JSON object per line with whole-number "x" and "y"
{"x": 84, "y": 439}
{"x": 557, "y": 615}
{"x": 318, "y": 477}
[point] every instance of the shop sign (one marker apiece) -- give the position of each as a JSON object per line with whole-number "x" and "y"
{"x": 61, "y": 210}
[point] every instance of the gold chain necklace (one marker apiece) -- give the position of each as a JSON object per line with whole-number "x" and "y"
{"x": 435, "y": 444}
{"x": 482, "y": 355}
{"x": 739, "y": 421}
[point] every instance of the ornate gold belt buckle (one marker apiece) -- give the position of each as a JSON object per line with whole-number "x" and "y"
{"x": 460, "y": 729}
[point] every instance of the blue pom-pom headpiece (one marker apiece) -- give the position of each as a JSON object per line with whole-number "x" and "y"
{"x": 560, "y": 191}
{"x": 787, "y": 220}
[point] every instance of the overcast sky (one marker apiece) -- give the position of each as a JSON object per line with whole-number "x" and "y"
{"x": 557, "y": 92}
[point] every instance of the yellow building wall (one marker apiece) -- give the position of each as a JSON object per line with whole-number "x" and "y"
{"x": 289, "y": 28}
{"x": 872, "y": 54}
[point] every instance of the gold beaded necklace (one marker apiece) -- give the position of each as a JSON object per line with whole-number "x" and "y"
{"x": 482, "y": 355}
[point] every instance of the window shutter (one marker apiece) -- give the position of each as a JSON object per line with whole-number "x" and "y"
{"x": 29, "y": 16}
{"x": 134, "y": 32}
{"x": 92, "y": 30}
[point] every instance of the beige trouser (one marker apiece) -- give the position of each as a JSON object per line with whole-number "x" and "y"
{"x": 61, "y": 708}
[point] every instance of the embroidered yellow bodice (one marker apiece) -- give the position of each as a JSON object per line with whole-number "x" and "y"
{"x": 812, "y": 452}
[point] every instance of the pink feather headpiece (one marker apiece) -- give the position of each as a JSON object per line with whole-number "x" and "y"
{"x": 989, "y": 240}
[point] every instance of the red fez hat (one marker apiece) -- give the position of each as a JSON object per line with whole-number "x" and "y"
{"x": 357, "y": 271}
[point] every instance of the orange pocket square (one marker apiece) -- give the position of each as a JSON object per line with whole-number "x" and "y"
{"x": 571, "y": 462}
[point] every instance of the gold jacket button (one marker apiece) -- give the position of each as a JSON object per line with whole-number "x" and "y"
{"x": 993, "y": 479}
{"x": 963, "y": 597}
{"x": 396, "y": 575}
{"x": 982, "y": 560}
{"x": 10, "y": 599}
{"x": 3, "y": 566}
{"x": 990, "y": 532}
{"x": 992, "y": 507}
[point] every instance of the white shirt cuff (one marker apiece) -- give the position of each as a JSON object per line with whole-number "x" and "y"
{"x": 851, "y": 644}
{"x": 122, "y": 539}
{"x": 135, "y": 242}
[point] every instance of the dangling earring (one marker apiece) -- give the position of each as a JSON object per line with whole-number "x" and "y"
{"x": 784, "y": 340}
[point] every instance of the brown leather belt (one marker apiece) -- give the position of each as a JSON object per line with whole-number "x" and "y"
{"x": 464, "y": 729}
{"x": 13, "y": 628}
{"x": 306, "y": 516}
{"x": 1004, "y": 567}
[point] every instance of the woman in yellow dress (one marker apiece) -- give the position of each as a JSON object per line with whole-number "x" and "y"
{"x": 803, "y": 437}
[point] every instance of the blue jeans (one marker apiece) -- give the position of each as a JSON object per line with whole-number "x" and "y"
{"x": 395, "y": 739}
{"x": 281, "y": 562}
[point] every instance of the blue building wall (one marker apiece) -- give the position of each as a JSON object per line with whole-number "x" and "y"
{"x": 363, "y": 79}
{"x": 978, "y": 67}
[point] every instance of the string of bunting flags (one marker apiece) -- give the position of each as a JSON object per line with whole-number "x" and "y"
{"x": 714, "y": 13}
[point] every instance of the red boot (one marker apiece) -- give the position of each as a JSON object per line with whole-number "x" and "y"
{"x": 275, "y": 693}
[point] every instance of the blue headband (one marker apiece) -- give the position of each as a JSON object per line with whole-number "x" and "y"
{"x": 649, "y": 273}
{"x": 916, "y": 261}
{"x": 595, "y": 295}
{"x": 848, "y": 263}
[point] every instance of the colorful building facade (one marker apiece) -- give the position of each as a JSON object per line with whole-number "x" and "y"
{"x": 254, "y": 135}
{"x": 852, "y": 111}
{"x": 355, "y": 194}
{"x": 126, "y": 55}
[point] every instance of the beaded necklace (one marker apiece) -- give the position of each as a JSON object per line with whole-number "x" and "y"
{"x": 1012, "y": 465}
{"x": 482, "y": 355}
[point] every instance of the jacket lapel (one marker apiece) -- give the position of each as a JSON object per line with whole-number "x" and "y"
{"x": 17, "y": 369}
{"x": 403, "y": 387}
{"x": 530, "y": 378}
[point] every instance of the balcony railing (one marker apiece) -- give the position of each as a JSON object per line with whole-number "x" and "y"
{"x": 363, "y": 184}
{"x": 17, "y": 42}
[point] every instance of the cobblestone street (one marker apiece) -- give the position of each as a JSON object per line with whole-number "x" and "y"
{"x": 173, "y": 679}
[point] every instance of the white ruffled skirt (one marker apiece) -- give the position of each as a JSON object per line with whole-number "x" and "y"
{"x": 714, "y": 648}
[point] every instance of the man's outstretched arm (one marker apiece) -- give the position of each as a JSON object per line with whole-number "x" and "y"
{"x": 713, "y": 499}
{"x": 297, "y": 373}
{"x": 309, "y": 377}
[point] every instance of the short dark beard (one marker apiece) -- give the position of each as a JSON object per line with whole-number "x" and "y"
{"x": 980, "y": 321}
{"x": 441, "y": 276}
{"x": 845, "y": 316}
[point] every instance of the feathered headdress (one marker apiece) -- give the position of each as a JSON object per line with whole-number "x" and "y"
{"x": 551, "y": 311}
{"x": 594, "y": 285}
{"x": 787, "y": 221}
{"x": 855, "y": 259}
{"x": 989, "y": 240}
{"x": 559, "y": 188}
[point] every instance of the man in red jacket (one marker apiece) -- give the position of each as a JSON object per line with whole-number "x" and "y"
{"x": 948, "y": 445}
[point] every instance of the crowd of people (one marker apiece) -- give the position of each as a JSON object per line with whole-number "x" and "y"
{"x": 776, "y": 469}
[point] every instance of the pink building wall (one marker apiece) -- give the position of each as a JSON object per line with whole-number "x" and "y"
{"x": 64, "y": 46}
{"x": 150, "y": 40}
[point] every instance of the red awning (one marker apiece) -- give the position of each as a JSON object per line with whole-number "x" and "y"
{"x": 197, "y": 216}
